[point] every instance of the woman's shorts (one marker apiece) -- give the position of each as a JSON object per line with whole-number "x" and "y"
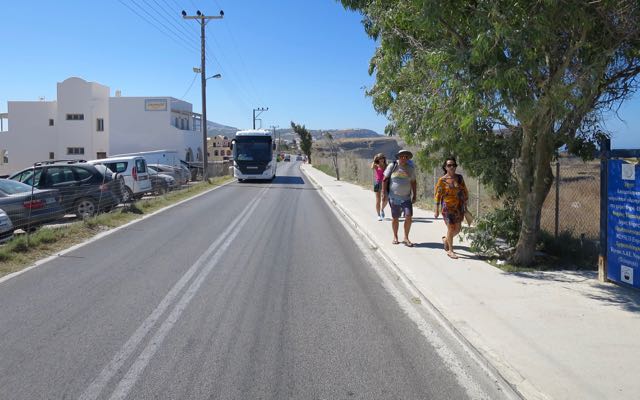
{"x": 398, "y": 209}
{"x": 376, "y": 186}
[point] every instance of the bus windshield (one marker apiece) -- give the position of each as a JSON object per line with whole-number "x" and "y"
{"x": 253, "y": 149}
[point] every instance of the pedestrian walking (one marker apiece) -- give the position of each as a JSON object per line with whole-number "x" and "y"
{"x": 378, "y": 166}
{"x": 400, "y": 190}
{"x": 451, "y": 197}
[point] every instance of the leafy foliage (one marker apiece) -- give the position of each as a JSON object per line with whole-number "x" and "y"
{"x": 500, "y": 225}
{"x": 305, "y": 138}
{"x": 502, "y": 85}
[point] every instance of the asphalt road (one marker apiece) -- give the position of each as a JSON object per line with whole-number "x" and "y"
{"x": 251, "y": 291}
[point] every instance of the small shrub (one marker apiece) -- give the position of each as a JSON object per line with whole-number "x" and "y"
{"x": 567, "y": 248}
{"x": 4, "y": 255}
{"x": 502, "y": 223}
{"x": 46, "y": 236}
{"x": 19, "y": 244}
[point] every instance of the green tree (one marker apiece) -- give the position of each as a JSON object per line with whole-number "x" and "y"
{"x": 334, "y": 153}
{"x": 502, "y": 84}
{"x": 305, "y": 139}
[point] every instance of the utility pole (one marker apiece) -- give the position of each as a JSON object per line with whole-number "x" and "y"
{"x": 274, "y": 127}
{"x": 261, "y": 109}
{"x": 202, "y": 20}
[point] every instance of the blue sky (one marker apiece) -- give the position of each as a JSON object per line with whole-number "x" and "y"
{"x": 306, "y": 60}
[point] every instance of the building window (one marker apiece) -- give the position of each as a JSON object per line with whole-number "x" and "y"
{"x": 75, "y": 150}
{"x": 75, "y": 117}
{"x": 100, "y": 125}
{"x": 50, "y": 121}
{"x": 52, "y": 155}
{"x": 101, "y": 154}
{"x": 176, "y": 123}
{"x": 5, "y": 156}
{"x": 215, "y": 153}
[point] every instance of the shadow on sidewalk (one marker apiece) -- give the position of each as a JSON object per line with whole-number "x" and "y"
{"x": 422, "y": 220}
{"x": 585, "y": 283}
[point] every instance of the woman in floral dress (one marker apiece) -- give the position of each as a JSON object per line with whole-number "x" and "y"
{"x": 451, "y": 197}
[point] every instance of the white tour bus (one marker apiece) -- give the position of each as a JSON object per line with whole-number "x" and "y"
{"x": 254, "y": 155}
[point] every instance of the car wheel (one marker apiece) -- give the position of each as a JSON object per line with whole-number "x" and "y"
{"x": 127, "y": 195}
{"x": 162, "y": 189}
{"x": 85, "y": 207}
{"x": 240, "y": 180}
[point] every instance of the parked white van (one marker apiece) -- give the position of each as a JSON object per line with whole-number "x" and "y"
{"x": 133, "y": 169}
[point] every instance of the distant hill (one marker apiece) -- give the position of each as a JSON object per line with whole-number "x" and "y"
{"x": 214, "y": 129}
{"x": 361, "y": 147}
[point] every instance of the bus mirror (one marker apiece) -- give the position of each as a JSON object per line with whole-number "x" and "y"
{"x": 231, "y": 145}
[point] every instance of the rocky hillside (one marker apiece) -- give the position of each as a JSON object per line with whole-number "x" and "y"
{"x": 360, "y": 147}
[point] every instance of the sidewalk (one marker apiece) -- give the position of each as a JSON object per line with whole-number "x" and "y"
{"x": 551, "y": 335}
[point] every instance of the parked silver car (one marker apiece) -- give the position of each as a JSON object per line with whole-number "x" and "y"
{"x": 181, "y": 176}
{"x": 6, "y": 227}
{"x": 28, "y": 207}
{"x": 160, "y": 183}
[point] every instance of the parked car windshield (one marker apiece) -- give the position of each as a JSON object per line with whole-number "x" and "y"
{"x": 8, "y": 187}
{"x": 26, "y": 176}
{"x": 104, "y": 170}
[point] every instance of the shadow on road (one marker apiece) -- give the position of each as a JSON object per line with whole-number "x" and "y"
{"x": 288, "y": 180}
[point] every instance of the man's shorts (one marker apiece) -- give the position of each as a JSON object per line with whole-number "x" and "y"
{"x": 401, "y": 206}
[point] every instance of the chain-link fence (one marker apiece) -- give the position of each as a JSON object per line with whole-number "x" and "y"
{"x": 572, "y": 206}
{"x": 358, "y": 170}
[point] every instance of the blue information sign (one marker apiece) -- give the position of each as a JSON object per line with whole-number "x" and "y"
{"x": 623, "y": 226}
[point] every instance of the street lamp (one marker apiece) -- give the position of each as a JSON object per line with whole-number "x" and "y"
{"x": 216, "y": 76}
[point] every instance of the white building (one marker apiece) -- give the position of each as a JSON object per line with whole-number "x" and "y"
{"x": 84, "y": 122}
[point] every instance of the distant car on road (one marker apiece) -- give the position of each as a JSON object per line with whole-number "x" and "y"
{"x": 28, "y": 207}
{"x": 299, "y": 158}
{"x": 287, "y": 157}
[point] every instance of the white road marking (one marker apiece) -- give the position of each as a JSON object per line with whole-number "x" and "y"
{"x": 224, "y": 239}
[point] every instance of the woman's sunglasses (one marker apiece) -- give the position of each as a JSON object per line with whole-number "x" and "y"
{"x": 452, "y": 165}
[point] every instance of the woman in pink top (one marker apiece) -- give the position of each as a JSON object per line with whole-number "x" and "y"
{"x": 378, "y": 166}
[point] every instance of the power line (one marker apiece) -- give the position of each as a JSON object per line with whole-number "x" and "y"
{"x": 168, "y": 29}
{"x": 152, "y": 24}
{"x": 190, "y": 86}
{"x": 171, "y": 15}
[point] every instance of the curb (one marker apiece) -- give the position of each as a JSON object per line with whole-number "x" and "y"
{"x": 510, "y": 390}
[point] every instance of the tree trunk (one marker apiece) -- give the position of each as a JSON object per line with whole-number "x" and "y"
{"x": 535, "y": 178}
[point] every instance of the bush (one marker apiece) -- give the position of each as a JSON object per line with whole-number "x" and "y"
{"x": 567, "y": 248}
{"x": 500, "y": 225}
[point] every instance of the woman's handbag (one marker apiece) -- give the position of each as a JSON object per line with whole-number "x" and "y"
{"x": 468, "y": 217}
